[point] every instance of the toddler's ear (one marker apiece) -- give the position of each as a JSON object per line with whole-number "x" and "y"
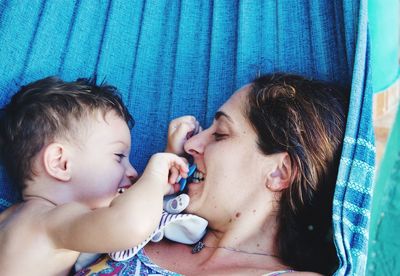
{"x": 56, "y": 162}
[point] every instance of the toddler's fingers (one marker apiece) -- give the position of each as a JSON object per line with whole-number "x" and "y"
{"x": 182, "y": 164}
{"x": 185, "y": 128}
{"x": 186, "y": 118}
{"x": 174, "y": 188}
{"x": 186, "y": 162}
{"x": 171, "y": 190}
{"x": 173, "y": 175}
{"x": 174, "y": 124}
{"x": 197, "y": 128}
{"x": 175, "y": 161}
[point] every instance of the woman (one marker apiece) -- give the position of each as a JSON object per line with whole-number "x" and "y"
{"x": 267, "y": 166}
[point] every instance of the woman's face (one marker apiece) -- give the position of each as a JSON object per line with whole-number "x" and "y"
{"x": 231, "y": 164}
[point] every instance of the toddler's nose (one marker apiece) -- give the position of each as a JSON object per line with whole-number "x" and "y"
{"x": 131, "y": 172}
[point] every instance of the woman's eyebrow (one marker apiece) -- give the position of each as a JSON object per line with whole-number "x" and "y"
{"x": 220, "y": 114}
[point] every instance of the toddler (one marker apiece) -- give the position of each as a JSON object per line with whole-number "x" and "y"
{"x": 66, "y": 146}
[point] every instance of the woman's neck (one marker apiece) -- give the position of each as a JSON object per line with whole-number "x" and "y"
{"x": 245, "y": 245}
{"x": 256, "y": 240}
{"x": 246, "y": 241}
{"x": 250, "y": 231}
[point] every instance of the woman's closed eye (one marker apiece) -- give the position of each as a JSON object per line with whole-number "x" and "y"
{"x": 120, "y": 156}
{"x": 219, "y": 136}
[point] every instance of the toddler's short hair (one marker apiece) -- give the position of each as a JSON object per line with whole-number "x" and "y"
{"x": 47, "y": 109}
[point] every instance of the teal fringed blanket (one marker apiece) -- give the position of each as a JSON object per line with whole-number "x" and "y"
{"x": 170, "y": 58}
{"x": 384, "y": 258}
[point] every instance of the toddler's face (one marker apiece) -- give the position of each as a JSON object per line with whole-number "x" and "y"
{"x": 101, "y": 163}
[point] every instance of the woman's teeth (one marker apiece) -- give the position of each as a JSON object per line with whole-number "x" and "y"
{"x": 197, "y": 177}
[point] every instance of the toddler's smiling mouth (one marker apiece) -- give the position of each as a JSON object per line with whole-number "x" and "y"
{"x": 120, "y": 190}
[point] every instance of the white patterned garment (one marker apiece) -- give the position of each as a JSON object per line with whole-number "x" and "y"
{"x": 183, "y": 228}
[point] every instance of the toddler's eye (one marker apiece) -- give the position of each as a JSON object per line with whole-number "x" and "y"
{"x": 120, "y": 156}
{"x": 219, "y": 136}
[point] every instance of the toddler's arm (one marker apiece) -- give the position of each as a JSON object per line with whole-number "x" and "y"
{"x": 179, "y": 131}
{"x": 130, "y": 218}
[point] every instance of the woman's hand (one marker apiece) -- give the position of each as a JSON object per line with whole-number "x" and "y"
{"x": 179, "y": 131}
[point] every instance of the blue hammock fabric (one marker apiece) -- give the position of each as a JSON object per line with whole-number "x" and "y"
{"x": 170, "y": 58}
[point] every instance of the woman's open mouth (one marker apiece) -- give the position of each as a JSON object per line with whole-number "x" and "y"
{"x": 198, "y": 177}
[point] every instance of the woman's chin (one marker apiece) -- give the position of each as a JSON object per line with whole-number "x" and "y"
{"x": 194, "y": 191}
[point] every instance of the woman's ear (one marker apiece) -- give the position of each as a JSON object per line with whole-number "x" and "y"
{"x": 281, "y": 174}
{"x": 56, "y": 162}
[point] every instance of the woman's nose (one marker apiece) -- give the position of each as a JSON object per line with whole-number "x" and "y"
{"x": 196, "y": 144}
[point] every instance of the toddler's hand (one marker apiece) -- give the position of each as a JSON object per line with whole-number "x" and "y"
{"x": 164, "y": 168}
{"x": 179, "y": 131}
